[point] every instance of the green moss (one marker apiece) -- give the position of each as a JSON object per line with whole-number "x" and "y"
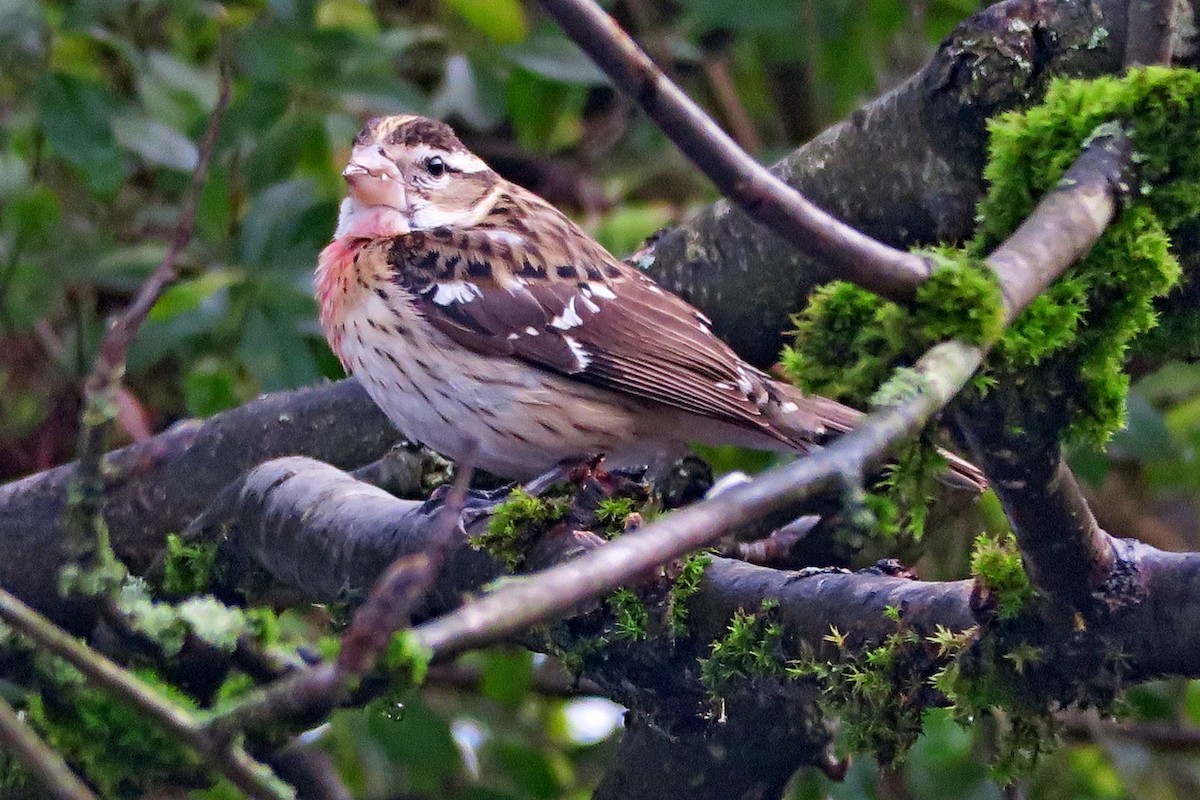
{"x": 515, "y": 524}
{"x": 983, "y": 679}
{"x": 630, "y": 614}
{"x": 750, "y": 648}
{"x": 686, "y": 584}
{"x": 188, "y": 567}
{"x": 961, "y": 299}
{"x": 996, "y": 565}
{"x": 611, "y": 513}
{"x": 874, "y": 692}
{"x": 846, "y": 343}
{"x": 1076, "y": 334}
{"x": 168, "y": 624}
{"x": 406, "y": 661}
{"x": 121, "y": 752}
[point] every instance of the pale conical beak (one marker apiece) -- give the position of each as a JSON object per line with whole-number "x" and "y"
{"x": 373, "y": 180}
{"x": 377, "y": 205}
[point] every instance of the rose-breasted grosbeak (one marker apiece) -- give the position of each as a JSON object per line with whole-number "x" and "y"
{"x": 481, "y": 319}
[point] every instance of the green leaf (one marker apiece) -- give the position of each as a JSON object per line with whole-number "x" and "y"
{"x": 274, "y": 353}
{"x": 353, "y": 15}
{"x": 533, "y": 771}
{"x": 31, "y": 216}
{"x": 420, "y": 740}
{"x": 502, "y": 21}
{"x": 187, "y": 295}
{"x": 556, "y": 58}
{"x": 507, "y": 675}
{"x": 272, "y": 222}
{"x": 155, "y": 142}
{"x": 75, "y": 118}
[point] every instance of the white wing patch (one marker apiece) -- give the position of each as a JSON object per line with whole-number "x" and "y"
{"x": 456, "y": 292}
{"x": 602, "y": 291}
{"x": 569, "y": 318}
{"x": 581, "y": 355}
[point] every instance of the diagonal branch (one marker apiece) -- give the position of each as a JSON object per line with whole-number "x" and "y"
{"x": 892, "y": 273}
{"x": 43, "y": 762}
{"x": 253, "y": 778}
{"x": 1025, "y": 264}
{"x": 1066, "y": 553}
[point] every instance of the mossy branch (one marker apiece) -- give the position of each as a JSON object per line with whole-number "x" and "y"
{"x": 253, "y": 778}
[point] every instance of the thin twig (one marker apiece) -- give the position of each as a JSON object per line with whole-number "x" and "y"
{"x": 546, "y": 595}
{"x": 253, "y": 778}
{"x": 1066, "y": 222}
{"x": 47, "y": 766}
{"x": 849, "y": 254}
{"x": 103, "y": 384}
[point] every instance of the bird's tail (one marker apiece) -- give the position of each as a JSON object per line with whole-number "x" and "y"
{"x": 799, "y": 416}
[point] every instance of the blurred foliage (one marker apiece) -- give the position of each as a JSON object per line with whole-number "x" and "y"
{"x": 102, "y": 103}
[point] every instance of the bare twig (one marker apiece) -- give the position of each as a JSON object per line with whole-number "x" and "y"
{"x": 102, "y": 386}
{"x": 43, "y": 763}
{"x": 1151, "y": 30}
{"x": 1067, "y": 221}
{"x": 849, "y": 254}
{"x": 253, "y": 778}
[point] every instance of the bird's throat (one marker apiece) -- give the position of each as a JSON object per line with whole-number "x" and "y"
{"x": 332, "y": 282}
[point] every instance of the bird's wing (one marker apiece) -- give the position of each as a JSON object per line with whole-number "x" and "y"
{"x": 558, "y": 300}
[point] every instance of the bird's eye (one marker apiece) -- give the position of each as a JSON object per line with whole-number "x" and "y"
{"x": 435, "y": 166}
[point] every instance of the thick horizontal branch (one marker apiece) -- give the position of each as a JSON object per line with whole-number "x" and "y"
{"x": 159, "y": 486}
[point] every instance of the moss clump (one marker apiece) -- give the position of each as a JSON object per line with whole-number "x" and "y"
{"x": 188, "y": 568}
{"x": 997, "y": 568}
{"x": 120, "y": 751}
{"x": 846, "y": 342}
{"x": 168, "y": 624}
{"x": 516, "y": 523}
{"x": 631, "y": 619}
{"x": 1067, "y": 349}
{"x": 611, "y": 513}
{"x": 875, "y": 693}
{"x": 960, "y": 300}
{"x": 686, "y": 584}
{"x": 750, "y": 648}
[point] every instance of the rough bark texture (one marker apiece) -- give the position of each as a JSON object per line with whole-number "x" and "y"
{"x": 160, "y": 485}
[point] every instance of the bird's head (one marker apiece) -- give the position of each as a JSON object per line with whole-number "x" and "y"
{"x": 410, "y": 173}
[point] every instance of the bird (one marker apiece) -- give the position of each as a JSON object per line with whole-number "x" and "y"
{"x": 484, "y": 321}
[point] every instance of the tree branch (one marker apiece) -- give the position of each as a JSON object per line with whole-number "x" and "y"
{"x": 1151, "y": 30}
{"x": 165, "y": 482}
{"x": 905, "y": 169}
{"x": 1065, "y": 552}
{"x": 253, "y": 778}
{"x": 848, "y": 254}
{"x": 43, "y": 763}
